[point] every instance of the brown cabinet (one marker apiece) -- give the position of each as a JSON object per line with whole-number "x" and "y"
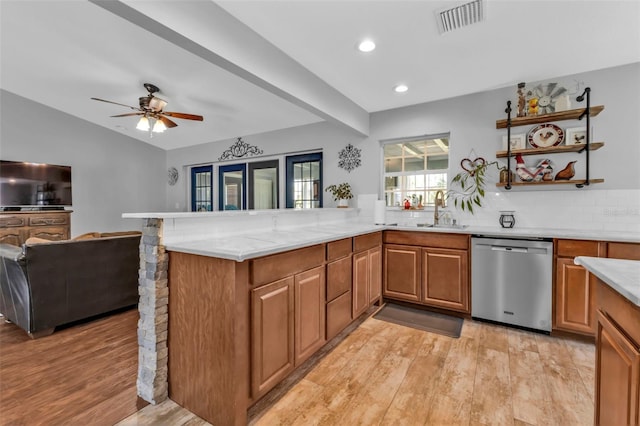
{"x": 617, "y": 360}
{"x": 309, "y": 313}
{"x": 375, "y": 275}
{"x": 575, "y": 287}
{"x": 272, "y": 337}
{"x": 630, "y": 251}
{"x": 17, "y": 227}
{"x": 445, "y": 280}
{"x": 402, "y": 272}
{"x": 427, "y": 268}
{"x": 339, "y": 283}
{"x": 367, "y": 271}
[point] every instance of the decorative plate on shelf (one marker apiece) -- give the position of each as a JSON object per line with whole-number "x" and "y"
{"x": 545, "y": 135}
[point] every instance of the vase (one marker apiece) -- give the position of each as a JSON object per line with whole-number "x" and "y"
{"x": 343, "y": 203}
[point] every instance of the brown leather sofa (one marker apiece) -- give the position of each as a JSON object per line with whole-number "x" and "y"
{"x": 51, "y": 283}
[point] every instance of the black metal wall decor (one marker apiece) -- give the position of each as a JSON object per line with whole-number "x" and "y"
{"x": 240, "y": 149}
{"x": 349, "y": 158}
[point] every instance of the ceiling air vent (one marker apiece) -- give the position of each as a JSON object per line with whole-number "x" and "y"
{"x": 461, "y": 16}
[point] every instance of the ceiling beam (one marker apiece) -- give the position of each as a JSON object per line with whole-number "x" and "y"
{"x": 205, "y": 29}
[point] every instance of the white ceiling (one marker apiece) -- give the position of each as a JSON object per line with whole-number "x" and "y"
{"x": 255, "y": 66}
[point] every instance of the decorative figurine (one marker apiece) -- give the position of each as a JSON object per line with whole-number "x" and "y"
{"x": 521, "y": 100}
{"x": 533, "y": 107}
{"x": 567, "y": 173}
{"x": 532, "y": 174}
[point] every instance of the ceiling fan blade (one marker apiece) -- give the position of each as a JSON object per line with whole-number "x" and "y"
{"x": 116, "y": 103}
{"x": 183, "y": 115}
{"x": 166, "y": 121}
{"x": 128, "y": 114}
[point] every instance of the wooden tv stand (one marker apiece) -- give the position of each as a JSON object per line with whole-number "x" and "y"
{"x": 17, "y": 226}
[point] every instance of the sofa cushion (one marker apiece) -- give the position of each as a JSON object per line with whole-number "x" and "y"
{"x": 87, "y": 236}
{"x": 35, "y": 240}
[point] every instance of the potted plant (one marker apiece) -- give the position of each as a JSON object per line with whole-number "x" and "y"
{"x": 341, "y": 193}
{"x": 471, "y": 181}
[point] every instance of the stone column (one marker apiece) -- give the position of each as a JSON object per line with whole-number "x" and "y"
{"x": 153, "y": 289}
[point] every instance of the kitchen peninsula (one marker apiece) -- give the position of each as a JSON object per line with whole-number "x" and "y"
{"x": 617, "y": 396}
{"x": 238, "y": 300}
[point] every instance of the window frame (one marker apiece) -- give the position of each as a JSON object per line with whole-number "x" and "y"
{"x": 401, "y": 175}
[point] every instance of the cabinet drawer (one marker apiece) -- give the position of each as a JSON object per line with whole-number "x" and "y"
{"x": 338, "y": 315}
{"x": 12, "y": 221}
{"x": 48, "y": 220}
{"x": 572, "y": 248}
{"x": 630, "y": 251}
{"x": 271, "y": 268}
{"x": 338, "y": 277}
{"x": 365, "y": 242}
{"x": 53, "y": 233}
{"x": 428, "y": 239}
{"x": 338, "y": 249}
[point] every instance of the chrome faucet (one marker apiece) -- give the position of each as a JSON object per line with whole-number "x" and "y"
{"x": 439, "y": 202}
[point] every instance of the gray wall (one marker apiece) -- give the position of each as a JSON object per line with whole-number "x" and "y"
{"x": 471, "y": 121}
{"x": 111, "y": 173}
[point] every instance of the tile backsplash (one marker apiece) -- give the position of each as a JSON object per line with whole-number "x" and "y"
{"x": 592, "y": 209}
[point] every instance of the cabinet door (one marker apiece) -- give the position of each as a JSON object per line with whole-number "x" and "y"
{"x": 360, "y": 292}
{"x": 11, "y": 236}
{"x": 309, "y": 313}
{"x": 402, "y": 272}
{"x": 575, "y": 297}
{"x": 375, "y": 274}
{"x": 617, "y": 376}
{"x": 272, "y": 338}
{"x": 445, "y": 278}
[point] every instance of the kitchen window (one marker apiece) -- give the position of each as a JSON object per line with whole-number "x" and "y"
{"x": 415, "y": 169}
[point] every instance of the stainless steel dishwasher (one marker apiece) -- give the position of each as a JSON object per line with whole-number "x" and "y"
{"x": 511, "y": 281}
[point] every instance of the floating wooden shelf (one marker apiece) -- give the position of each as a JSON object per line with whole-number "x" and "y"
{"x": 551, "y": 150}
{"x": 571, "y": 114}
{"x": 552, "y": 182}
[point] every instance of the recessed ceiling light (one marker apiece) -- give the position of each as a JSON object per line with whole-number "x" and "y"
{"x": 401, "y": 88}
{"x": 366, "y": 46}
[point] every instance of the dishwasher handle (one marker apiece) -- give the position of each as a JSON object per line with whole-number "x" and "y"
{"x": 510, "y": 249}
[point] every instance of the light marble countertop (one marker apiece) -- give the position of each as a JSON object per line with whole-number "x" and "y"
{"x": 245, "y": 246}
{"x": 621, "y": 275}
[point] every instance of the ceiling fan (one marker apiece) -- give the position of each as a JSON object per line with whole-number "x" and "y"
{"x": 152, "y": 108}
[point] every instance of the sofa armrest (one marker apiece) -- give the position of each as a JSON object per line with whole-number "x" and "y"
{"x": 15, "y": 301}
{"x": 12, "y": 252}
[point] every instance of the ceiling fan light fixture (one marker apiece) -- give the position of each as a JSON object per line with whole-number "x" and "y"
{"x": 159, "y": 126}
{"x": 143, "y": 124}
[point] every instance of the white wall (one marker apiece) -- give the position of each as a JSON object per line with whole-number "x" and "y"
{"x": 471, "y": 121}
{"x": 111, "y": 173}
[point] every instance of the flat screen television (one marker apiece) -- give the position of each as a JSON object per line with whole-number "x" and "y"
{"x": 34, "y": 185}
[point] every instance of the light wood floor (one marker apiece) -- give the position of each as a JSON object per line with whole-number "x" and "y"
{"x": 386, "y": 374}
{"x": 80, "y": 375}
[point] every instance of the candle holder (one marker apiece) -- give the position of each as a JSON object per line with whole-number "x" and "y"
{"x": 507, "y": 219}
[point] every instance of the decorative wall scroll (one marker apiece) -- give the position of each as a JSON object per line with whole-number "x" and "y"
{"x": 349, "y": 158}
{"x": 240, "y": 149}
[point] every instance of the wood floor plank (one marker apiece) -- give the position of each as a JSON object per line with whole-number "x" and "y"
{"x": 452, "y": 402}
{"x": 416, "y": 392}
{"x": 65, "y": 376}
{"x": 492, "y": 402}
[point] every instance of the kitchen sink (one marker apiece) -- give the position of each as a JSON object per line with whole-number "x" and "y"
{"x": 442, "y": 226}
